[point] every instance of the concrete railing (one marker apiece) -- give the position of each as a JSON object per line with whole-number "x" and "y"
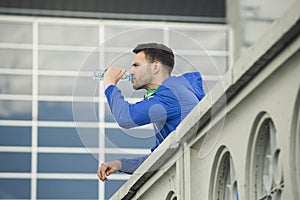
{"x": 242, "y": 141}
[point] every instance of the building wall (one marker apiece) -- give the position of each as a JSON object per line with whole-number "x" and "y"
{"x": 257, "y": 17}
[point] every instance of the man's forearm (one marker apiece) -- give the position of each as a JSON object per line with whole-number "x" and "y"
{"x": 130, "y": 165}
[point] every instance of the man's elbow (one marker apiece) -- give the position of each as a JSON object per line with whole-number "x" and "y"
{"x": 125, "y": 120}
{"x": 126, "y": 124}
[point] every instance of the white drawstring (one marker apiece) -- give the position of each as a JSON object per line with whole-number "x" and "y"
{"x": 157, "y": 130}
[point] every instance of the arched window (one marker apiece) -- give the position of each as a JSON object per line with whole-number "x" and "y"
{"x": 223, "y": 181}
{"x": 171, "y": 196}
{"x": 295, "y": 150}
{"x": 265, "y": 166}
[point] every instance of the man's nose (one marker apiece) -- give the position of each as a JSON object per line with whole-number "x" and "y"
{"x": 131, "y": 71}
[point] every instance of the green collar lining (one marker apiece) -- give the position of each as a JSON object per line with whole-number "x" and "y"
{"x": 149, "y": 93}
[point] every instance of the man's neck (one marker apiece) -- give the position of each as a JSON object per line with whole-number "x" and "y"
{"x": 157, "y": 83}
{"x": 153, "y": 86}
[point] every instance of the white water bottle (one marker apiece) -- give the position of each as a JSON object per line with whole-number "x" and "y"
{"x": 99, "y": 76}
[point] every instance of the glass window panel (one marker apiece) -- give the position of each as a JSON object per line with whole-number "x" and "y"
{"x": 86, "y": 86}
{"x": 58, "y": 85}
{"x": 67, "y": 137}
{"x": 108, "y": 116}
{"x": 117, "y": 37}
{"x": 15, "y": 84}
{"x": 88, "y": 136}
{"x": 132, "y": 138}
{"x": 199, "y": 39}
{"x": 16, "y": 58}
{"x": 120, "y": 59}
{"x": 67, "y": 60}
{"x": 86, "y": 112}
{"x": 66, "y": 163}
{"x": 112, "y": 30}
{"x": 62, "y": 111}
{"x": 112, "y": 187}
{"x": 15, "y": 162}
{"x": 206, "y": 65}
{"x": 15, "y": 188}
{"x": 15, "y": 110}
{"x": 15, "y": 136}
{"x": 15, "y": 32}
{"x": 67, "y": 189}
{"x": 66, "y": 34}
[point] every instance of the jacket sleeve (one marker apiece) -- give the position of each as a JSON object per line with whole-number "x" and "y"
{"x": 162, "y": 106}
{"x": 130, "y": 165}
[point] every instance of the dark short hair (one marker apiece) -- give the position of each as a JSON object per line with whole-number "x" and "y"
{"x": 157, "y": 52}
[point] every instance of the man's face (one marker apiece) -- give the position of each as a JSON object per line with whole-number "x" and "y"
{"x": 141, "y": 72}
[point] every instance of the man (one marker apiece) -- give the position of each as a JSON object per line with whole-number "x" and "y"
{"x": 167, "y": 101}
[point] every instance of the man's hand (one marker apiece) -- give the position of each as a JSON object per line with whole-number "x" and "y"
{"x": 112, "y": 76}
{"x": 108, "y": 168}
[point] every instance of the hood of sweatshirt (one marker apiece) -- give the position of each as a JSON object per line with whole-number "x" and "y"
{"x": 191, "y": 81}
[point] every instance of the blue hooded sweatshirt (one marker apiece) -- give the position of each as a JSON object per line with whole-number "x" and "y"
{"x": 165, "y": 108}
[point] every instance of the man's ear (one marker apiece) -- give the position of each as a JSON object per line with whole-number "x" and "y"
{"x": 157, "y": 67}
